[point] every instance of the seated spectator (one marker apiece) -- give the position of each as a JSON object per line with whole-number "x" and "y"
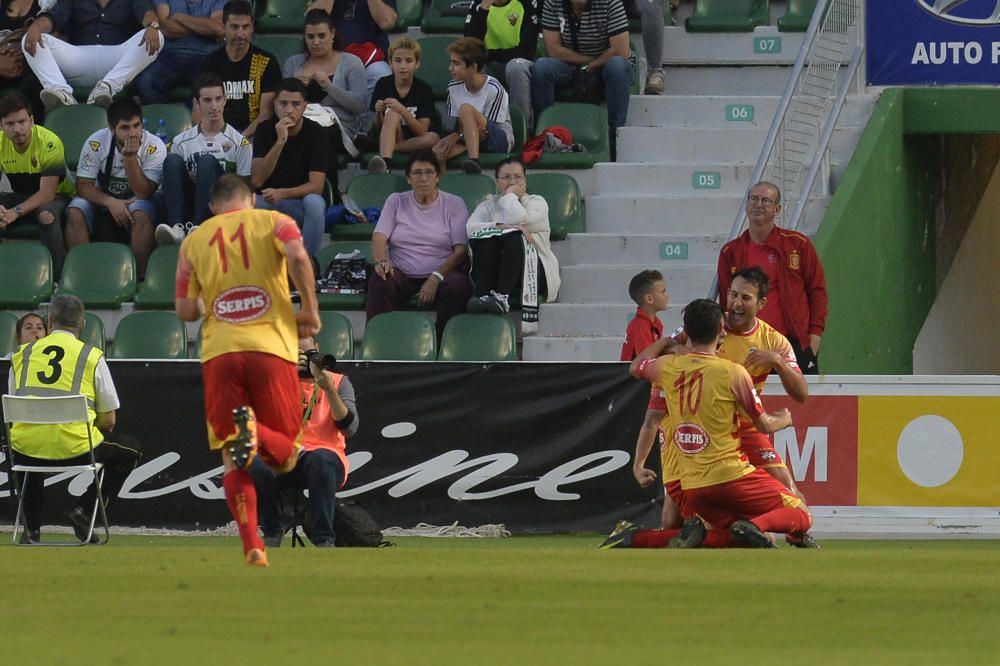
{"x": 198, "y": 156}
{"x": 330, "y": 418}
{"x": 362, "y": 28}
{"x": 102, "y": 48}
{"x": 33, "y": 159}
{"x": 510, "y": 248}
{"x": 29, "y": 328}
{"x": 15, "y": 16}
{"x": 480, "y": 105}
{"x": 333, "y": 79}
{"x": 192, "y": 31}
{"x": 419, "y": 246}
{"x": 403, "y": 106}
{"x": 289, "y": 164}
{"x": 83, "y": 370}
{"x": 120, "y": 169}
{"x": 587, "y": 43}
{"x": 509, "y": 29}
{"x": 249, "y": 74}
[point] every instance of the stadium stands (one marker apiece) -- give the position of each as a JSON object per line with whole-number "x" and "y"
{"x": 336, "y": 336}
{"x": 446, "y": 16}
{"x": 25, "y": 275}
{"x": 798, "y": 13}
{"x": 473, "y": 188}
{"x": 157, "y": 290}
{"x": 399, "y": 336}
{"x": 159, "y": 335}
{"x": 74, "y": 124}
{"x": 176, "y": 117}
{"x": 93, "y": 331}
{"x": 280, "y": 16}
{"x": 434, "y": 60}
{"x": 728, "y": 15}
{"x": 102, "y": 275}
{"x": 588, "y": 123}
{"x": 8, "y": 333}
{"x": 562, "y": 193}
{"x": 485, "y": 338}
{"x": 369, "y": 190}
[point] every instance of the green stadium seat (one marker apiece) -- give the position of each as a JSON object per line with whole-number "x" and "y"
{"x": 281, "y": 47}
{"x": 635, "y": 22}
{"x": 728, "y": 15}
{"x": 25, "y": 275}
{"x": 280, "y": 16}
{"x": 399, "y": 336}
{"x": 8, "y": 333}
{"x": 102, "y": 275}
{"x": 157, "y": 291}
{"x": 342, "y": 301}
{"x": 93, "y": 331}
{"x": 336, "y": 336}
{"x": 434, "y": 61}
{"x": 483, "y": 338}
{"x": 489, "y": 161}
{"x": 562, "y": 193}
{"x": 797, "y": 16}
{"x": 446, "y": 16}
{"x": 366, "y": 190}
{"x": 176, "y": 117}
{"x": 408, "y": 14}
{"x": 473, "y": 188}
{"x": 158, "y": 335}
{"x": 74, "y": 125}
{"x": 588, "y": 123}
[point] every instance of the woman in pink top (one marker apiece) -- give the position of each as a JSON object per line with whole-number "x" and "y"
{"x": 419, "y": 247}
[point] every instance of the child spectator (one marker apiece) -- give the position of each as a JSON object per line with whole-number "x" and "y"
{"x": 649, "y": 292}
{"x": 480, "y": 105}
{"x": 403, "y": 106}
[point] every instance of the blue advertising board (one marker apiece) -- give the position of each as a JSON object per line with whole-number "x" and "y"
{"x": 933, "y": 42}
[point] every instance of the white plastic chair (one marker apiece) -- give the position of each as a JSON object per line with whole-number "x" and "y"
{"x": 54, "y": 411}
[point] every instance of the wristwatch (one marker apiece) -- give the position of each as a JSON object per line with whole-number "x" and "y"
{"x": 17, "y": 209}
{"x": 154, "y": 24}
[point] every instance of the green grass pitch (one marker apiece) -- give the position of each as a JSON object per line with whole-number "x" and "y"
{"x": 523, "y": 600}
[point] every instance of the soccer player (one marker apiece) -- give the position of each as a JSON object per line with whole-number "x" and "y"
{"x": 705, "y": 394}
{"x": 234, "y": 267}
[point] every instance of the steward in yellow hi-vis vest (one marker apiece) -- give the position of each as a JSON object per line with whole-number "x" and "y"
{"x": 58, "y": 364}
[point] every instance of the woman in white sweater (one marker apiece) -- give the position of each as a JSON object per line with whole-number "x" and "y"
{"x": 509, "y": 242}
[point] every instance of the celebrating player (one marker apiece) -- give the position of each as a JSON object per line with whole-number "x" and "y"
{"x": 234, "y": 267}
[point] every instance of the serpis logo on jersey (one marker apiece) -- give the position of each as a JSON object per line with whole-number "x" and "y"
{"x": 964, "y": 12}
{"x": 691, "y": 438}
{"x": 241, "y": 304}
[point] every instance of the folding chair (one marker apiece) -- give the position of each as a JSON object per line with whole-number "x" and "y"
{"x": 54, "y": 411}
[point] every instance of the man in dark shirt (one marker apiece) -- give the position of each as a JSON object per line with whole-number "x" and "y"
{"x": 249, "y": 74}
{"x": 86, "y": 24}
{"x": 289, "y": 164}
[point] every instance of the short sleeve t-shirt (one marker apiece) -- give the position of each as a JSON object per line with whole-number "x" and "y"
{"x": 196, "y": 9}
{"x": 94, "y": 162}
{"x": 232, "y": 150}
{"x": 422, "y": 237}
{"x": 44, "y": 157}
{"x": 302, "y": 153}
{"x": 244, "y": 82}
{"x": 419, "y": 101}
{"x": 591, "y": 33}
{"x": 491, "y": 100}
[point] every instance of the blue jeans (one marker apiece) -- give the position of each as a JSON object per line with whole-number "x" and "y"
{"x": 309, "y": 212}
{"x": 172, "y": 68}
{"x": 547, "y": 74}
{"x": 181, "y": 195}
{"x": 321, "y": 472}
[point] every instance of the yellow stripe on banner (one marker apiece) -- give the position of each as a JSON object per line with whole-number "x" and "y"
{"x": 928, "y": 451}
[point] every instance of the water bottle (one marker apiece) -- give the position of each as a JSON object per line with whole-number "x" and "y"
{"x": 161, "y": 132}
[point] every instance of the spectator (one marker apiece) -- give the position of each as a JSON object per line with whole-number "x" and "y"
{"x": 29, "y": 328}
{"x": 419, "y": 246}
{"x": 33, "y": 160}
{"x": 330, "y": 418}
{"x": 509, "y": 29}
{"x": 81, "y": 369}
{"x": 363, "y": 29}
{"x": 478, "y": 103}
{"x": 102, "y": 49}
{"x": 649, "y": 292}
{"x": 650, "y": 13}
{"x": 120, "y": 169}
{"x": 332, "y": 78}
{"x": 510, "y": 248}
{"x": 15, "y": 16}
{"x": 403, "y": 106}
{"x": 198, "y": 156}
{"x": 192, "y": 30}
{"x": 796, "y": 301}
{"x": 587, "y": 43}
{"x": 249, "y": 74}
{"x": 289, "y": 164}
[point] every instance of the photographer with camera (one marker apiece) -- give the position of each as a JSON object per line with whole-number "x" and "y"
{"x": 329, "y": 418}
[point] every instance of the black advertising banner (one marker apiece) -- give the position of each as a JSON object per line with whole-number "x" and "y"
{"x": 537, "y": 447}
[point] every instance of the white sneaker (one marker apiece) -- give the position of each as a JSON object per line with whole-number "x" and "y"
{"x": 101, "y": 95}
{"x": 654, "y": 82}
{"x": 169, "y": 235}
{"x": 53, "y": 98}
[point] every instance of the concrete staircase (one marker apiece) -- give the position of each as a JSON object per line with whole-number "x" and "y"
{"x": 684, "y": 161}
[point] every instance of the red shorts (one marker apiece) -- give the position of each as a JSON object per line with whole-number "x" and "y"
{"x": 265, "y": 382}
{"x": 674, "y": 492}
{"x": 745, "y": 498}
{"x": 759, "y": 450}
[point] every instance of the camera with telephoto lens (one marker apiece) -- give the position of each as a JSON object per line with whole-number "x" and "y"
{"x": 325, "y": 361}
